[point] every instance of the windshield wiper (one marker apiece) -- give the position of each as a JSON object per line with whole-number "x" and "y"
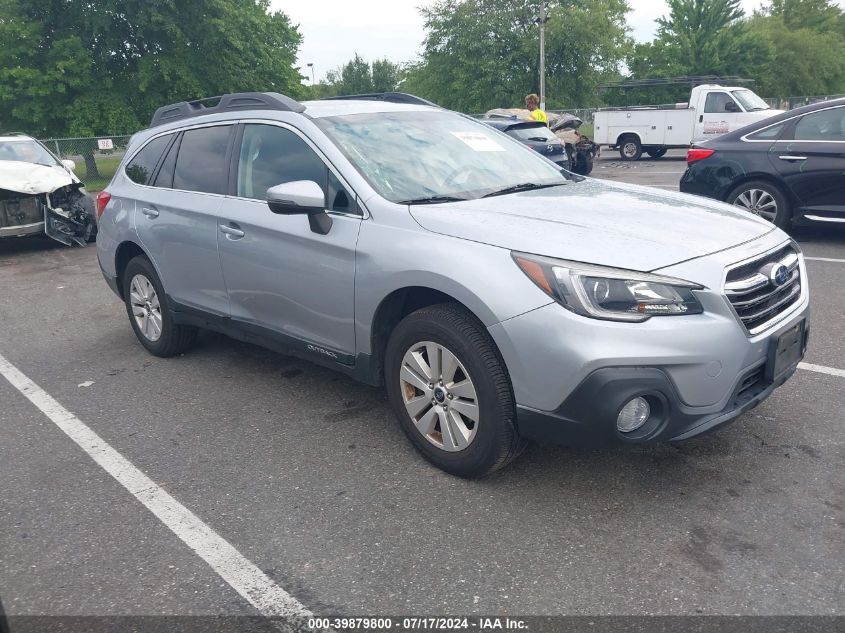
{"x": 433, "y": 200}
{"x": 523, "y": 186}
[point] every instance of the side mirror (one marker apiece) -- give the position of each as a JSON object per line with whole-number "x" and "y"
{"x": 730, "y": 106}
{"x": 69, "y": 164}
{"x": 301, "y": 197}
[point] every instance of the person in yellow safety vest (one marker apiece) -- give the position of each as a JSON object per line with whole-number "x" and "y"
{"x": 532, "y": 102}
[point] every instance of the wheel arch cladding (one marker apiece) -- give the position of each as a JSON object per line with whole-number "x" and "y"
{"x": 395, "y": 307}
{"x": 123, "y": 255}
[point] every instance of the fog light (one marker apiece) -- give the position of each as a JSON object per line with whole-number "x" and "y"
{"x": 633, "y": 415}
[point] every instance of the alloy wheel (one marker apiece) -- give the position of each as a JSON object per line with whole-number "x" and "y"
{"x": 439, "y": 395}
{"x": 146, "y": 308}
{"x": 758, "y": 202}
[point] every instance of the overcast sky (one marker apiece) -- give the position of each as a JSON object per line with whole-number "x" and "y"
{"x": 334, "y": 30}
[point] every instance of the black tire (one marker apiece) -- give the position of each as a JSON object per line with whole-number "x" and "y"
{"x": 630, "y": 148}
{"x": 496, "y": 442}
{"x": 174, "y": 339}
{"x": 783, "y": 215}
{"x": 656, "y": 152}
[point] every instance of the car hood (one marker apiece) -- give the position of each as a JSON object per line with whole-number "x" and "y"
{"x": 31, "y": 178}
{"x": 618, "y": 225}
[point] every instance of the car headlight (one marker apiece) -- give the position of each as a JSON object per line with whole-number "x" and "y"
{"x": 610, "y": 293}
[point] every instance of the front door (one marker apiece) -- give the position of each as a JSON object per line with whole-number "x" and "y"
{"x": 720, "y": 116}
{"x": 812, "y": 163}
{"x": 279, "y": 274}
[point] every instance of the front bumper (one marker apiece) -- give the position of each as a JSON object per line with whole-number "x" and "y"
{"x": 588, "y": 416}
{"x": 22, "y": 230}
{"x": 571, "y": 375}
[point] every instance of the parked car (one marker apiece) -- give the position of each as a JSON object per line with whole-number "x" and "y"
{"x": 580, "y": 150}
{"x": 40, "y": 194}
{"x": 790, "y": 168}
{"x": 711, "y": 110}
{"x": 497, "y": 297}
{"x": 535, "y": 135}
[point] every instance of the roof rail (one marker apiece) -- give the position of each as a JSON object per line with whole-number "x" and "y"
{"x": 225, "y": 103}
{"x": 392, "y": 97}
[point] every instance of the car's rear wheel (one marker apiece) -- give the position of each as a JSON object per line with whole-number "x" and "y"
{"x": 146, "y": 305}
{"x": 449, "y": 389}
{"x": 764, "y": 199}
{"x": 630, "y": 148}
{"x": 656, "y": 152}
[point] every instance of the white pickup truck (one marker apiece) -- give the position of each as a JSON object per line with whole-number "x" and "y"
{"x": 712, "y": 110}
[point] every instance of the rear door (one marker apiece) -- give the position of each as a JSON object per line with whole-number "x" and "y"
{"x": 177, "y": 216}
{"x": 812, "y": 163}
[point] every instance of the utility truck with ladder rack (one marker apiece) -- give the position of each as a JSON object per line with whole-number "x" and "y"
{"x": 711, "y": 110}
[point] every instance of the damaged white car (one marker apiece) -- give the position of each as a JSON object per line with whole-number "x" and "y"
{"x": 40, "y": 194}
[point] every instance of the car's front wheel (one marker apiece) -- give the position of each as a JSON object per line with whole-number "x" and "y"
{"x": 449, "y": 389}
{"x": 764, "y": 199}
{"x": 146, "y": 305}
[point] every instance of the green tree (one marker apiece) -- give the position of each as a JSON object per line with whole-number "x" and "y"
{"x": 357, "y": 76}
{"x": 807, "y": 48}
{"x": 81, "y": 68}
{"x": 482, "y": 54}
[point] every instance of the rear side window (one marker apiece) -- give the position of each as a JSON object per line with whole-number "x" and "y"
{"x": 201, "y": 164}
{"x": 825, "y": 125}
{"x": 164, "y": 178}
{"x": 140, "y": 168}
{"x": 769, "y": 134}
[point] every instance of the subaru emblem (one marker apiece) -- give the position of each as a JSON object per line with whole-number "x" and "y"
{"x": 779, "y": 275}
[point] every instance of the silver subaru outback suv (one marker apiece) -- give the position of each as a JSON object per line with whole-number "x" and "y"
{"x": 498, "y": 298}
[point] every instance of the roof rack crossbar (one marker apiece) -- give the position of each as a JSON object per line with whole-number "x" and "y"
{"x": 392, "y": 97}
{"x": 232, "y": 102}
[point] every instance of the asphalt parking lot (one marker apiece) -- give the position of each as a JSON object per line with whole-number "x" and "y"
{"x": 306, "y": 474}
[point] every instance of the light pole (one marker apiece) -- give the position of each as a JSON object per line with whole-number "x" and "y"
{"x": 542, "y": 22}
{"x": 311, "y": 66}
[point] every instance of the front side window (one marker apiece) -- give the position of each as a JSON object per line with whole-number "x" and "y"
{"x": 416, "y": 154}
{"x": 718, "y": 102}
{"x": 825, "y": 125}
{"x": 272, "y": 155}
{"x": 140, "y": 168}
{"x": 201, "y": 164}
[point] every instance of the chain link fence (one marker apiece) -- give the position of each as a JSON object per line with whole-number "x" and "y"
{"x": 96, "y": 158}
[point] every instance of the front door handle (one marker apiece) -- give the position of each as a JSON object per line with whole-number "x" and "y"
{"x": 791, "y": 158}
{"x": 231, "y": 231}
{"x": 150, "y": 213}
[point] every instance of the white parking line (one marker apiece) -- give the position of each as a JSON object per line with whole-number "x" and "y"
{"x": 821, "y": 369}
{"x": 825, "y": 259}
{"x": 241, "y": 574}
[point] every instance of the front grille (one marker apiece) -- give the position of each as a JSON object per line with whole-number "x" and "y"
{"x": 757, "y": 295}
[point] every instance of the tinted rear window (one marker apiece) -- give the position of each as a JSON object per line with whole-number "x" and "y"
{"x": 539, "y": 133}
{"x": 201, "y": 165}
{"x": 140, "y": 169}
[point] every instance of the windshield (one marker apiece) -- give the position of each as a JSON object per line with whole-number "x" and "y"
{"x": 749, "y": 100}
{"x": 533, "y": 133}
{"x": 437, "y": 155}
{"x": 26, "y": 151}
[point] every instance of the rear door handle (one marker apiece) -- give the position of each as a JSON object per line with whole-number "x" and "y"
{"x": 791, "y": 158}
{"x": 150, "y": 213}
{"x": 231, "y": 231}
